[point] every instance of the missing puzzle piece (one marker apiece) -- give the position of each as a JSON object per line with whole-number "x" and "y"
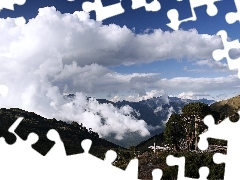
{"x": 13, "y": 157}
{"x": 103, "y": 169}
{"x": 9, "y": 4}
{"x": 43, "y": 145}
{"x": 101, "y": 11}
{"x": 153, "y": 6}
{"x": 157, "y": 174}
{"x": 21, "y": 162}
{"x": 232, "y": 17}
{"x": 219, "y": 54}
{"x": 180, "y": 162}
{"x": 225, "y": 130}
{"x": 6, "y": 122}
{"x": 173, "y": 14}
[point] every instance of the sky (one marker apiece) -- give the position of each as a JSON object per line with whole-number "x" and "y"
{"x": 50, "y": 48}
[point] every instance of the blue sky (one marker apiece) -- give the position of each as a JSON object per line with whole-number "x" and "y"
{"x": 59, "y": 49}
{"x": 141, "y": 22}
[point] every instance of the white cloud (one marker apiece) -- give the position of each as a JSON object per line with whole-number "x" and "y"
{"x": 102, "y": 118}
{"x": 193, "y": 95}
{"x": 77, "y": 38}
{"x": 183, "y": 84}
{"x": 137, "y": 98}
{"x": 10, "y": 4}
{"x": 214, "y": 65}
{"x": 170, "y": 112}
{"x": 3, "y": 90}
{"x": 58, "y": 53}
{"x": 208, "y": 65}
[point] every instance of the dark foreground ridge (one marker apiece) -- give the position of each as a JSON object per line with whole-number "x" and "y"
{"x": 72, "y": 135}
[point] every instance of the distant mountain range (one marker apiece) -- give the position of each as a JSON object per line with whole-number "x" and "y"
{"x": 226, "y": 108}
{"x": 153, "y": 111}
{"x": 156, "y": 110}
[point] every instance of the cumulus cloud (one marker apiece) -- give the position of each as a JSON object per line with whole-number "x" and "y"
{"x": 78, "y": 38}
{"x": 137, "y": 98}
{"x": 55, "y": 54}
{"x": 214, "y": 65}
{"x": 202, "y": 84}
{"x": 193, "y": 95}
{"x": 102, "y": 118}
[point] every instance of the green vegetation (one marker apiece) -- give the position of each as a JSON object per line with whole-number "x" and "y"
{"x": 71, "y": 134}
{"x": 181, "y": 135}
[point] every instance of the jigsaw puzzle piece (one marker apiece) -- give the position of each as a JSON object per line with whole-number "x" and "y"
{"x": 39, "y": 127}
{"x": 58, "y": 149}
{"x": 173, "y": 14}
{"x": 103, "y": 169}
{"x": 10, "y": 4}
{"x": 215, "y": 131}
{"x": 13, "y": 157}
{"x": 153, "y": 6}
{"x": 231, "y": 161}
{"x": 203, "y": 143}
{"x": 232, "y": 17}
{"x": 111, "y": 156}
{"x": 180, "y": 162}
{"x": 157, "y": 174}
{"x": 101, "y": 11}
{"x": 5, "y": 123}
{"x": 224, "y": 53}
{"x": 232, "y": 158}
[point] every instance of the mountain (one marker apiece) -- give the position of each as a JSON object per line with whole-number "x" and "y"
{"x": 158, "y": 139}
{"x": 227, "y": 107}
{"x": 156, "y": 110}
{"x": 222, "y": 109}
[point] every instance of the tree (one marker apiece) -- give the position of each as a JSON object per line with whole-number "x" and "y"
{"x": 174, "y": 131}
{"x": 193, "y": 114}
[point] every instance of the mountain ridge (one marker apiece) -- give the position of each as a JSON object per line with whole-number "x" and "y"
{"x": 225, "y": 108}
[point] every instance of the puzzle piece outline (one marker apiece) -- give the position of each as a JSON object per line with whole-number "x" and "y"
{"x": 9, "y": 4}
{"x": 232, "y": 17}
{"x": 25, "y": 159}
{"x": 103, "y": 12}
{"x": 173, "y": 14}
{"x": 232, "y": 157}
{"x": 180, "y": 162}
{"x": 219, "y": 54}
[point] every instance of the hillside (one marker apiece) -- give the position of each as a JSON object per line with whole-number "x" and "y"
{"x": 227, "y": 107}
{"x": 154, "y": 112}
{"x": 220, "y": 109}
{"x": 71, "y": 134}
{"x": 157, "y": 109}
{"x": 158, "y": 139}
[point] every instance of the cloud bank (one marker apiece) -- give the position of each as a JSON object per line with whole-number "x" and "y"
{"x": 54, "y": 54}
